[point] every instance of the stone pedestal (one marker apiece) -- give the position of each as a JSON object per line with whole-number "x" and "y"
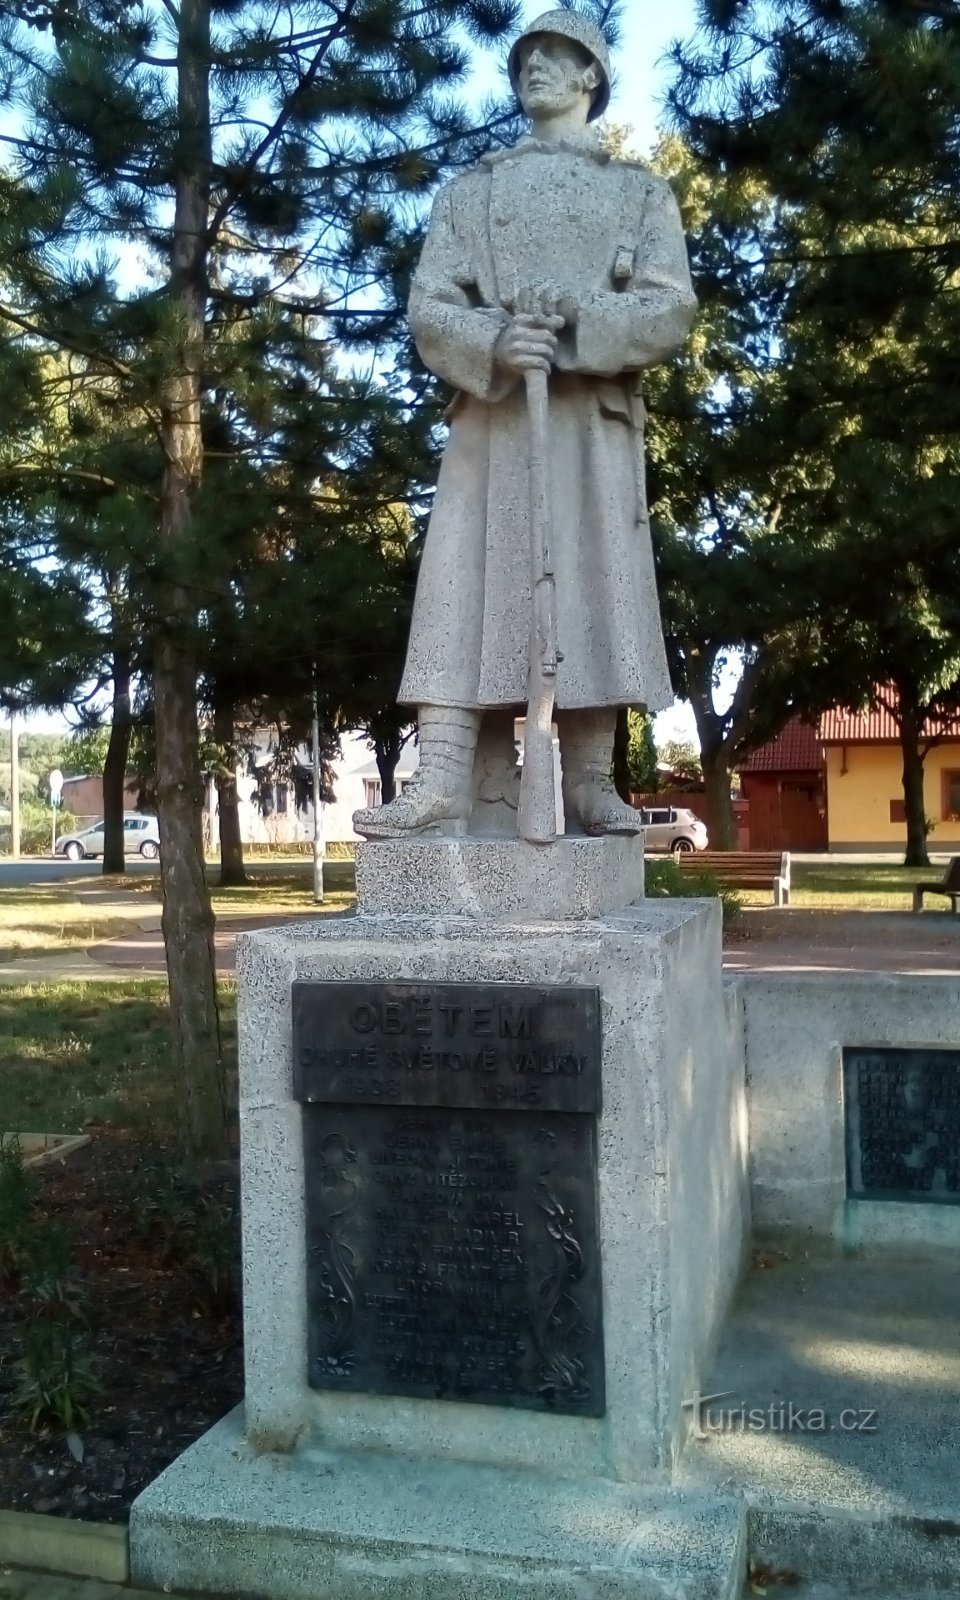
{"x": 320, "y": 1493}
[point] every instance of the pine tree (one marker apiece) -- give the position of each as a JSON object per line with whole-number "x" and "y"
{"x": 190, "y": 182}
{"x": 848, "y": 114}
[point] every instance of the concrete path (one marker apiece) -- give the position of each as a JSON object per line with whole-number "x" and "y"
{"x": 143, "y": 951}
{"x": 782, "y": 941}
{"x": 45, "y": 869}
{"x": 799, "y": 940}
{"x": 834, "y": 1406}
{"x": 794, "y": 940}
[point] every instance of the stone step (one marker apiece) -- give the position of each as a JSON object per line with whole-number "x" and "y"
{"x": 364, "y": 1526}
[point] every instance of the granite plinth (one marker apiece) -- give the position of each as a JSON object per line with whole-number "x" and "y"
{"x": 671, "y": 1143}
{"x": 322, "y": 1492}
{"x": 357, "y": 1525}
{"x": 574, "y": 878}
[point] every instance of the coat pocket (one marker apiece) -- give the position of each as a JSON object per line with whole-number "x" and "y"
{"x": 613, "y": 400}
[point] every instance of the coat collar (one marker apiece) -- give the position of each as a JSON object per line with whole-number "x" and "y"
{"x": 586, "y": 143}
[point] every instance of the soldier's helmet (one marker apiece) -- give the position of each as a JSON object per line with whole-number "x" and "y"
{"x": 569, "y": 25}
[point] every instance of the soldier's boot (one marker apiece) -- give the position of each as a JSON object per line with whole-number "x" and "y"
{"x": 441, "y": 792}
{"x": 590, "y": 801}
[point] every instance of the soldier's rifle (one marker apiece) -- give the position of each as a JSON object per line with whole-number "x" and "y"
{"x": 537, "y": 816}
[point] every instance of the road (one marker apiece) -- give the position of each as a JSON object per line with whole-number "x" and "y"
{"x": 42, "y": 869}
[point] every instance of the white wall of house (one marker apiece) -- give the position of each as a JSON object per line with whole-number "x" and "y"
{"x": 356, "y": 783}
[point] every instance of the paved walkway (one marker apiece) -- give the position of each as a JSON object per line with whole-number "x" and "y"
{"x": 781, "y": 941}
{"x": 798, "y": 940}
{"x": 792, "y": 940}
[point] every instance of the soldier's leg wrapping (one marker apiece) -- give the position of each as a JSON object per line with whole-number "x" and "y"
{"x": 442, "y": 789}
{"x": 590, "y": 801}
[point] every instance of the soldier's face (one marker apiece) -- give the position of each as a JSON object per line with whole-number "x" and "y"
{"x": 555, "y": 75}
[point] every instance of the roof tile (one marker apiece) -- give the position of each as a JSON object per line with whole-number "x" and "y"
{"x": 795, "y": 749}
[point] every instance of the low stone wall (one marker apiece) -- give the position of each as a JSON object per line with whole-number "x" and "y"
{"x": 796, "y": 1027}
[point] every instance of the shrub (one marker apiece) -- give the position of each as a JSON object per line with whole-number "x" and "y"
{"x": 665, "y": 878}
{"x": 56, "y": 1379}
{"x": 17, "y": 1185}
{"x": 54, "y": 1368}
{"x": 36, "y": 828}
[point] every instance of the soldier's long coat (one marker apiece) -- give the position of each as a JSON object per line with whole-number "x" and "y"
{"x": 608, "y": 235}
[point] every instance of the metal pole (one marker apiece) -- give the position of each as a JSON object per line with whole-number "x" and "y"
{"x": 317, "y": 805}
{"x": 14, "y": 787}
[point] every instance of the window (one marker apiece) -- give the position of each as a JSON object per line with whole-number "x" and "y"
{"x": 898, "y": 811}
{"x": 281, "y": 799}
{"x": 371, "y": 792}
{"x": 951, "y": 795}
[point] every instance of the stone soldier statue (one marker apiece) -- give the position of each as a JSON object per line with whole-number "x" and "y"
{"x": 595, "y": 247}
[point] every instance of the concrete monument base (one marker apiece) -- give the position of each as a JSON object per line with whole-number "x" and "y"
{"x": 360, "y": 1525}
{"x": 497, "y": 879}
{"x": 344, "y": 1494}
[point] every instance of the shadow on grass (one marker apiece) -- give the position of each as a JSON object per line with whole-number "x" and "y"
{"x": 74, "y": 1055}
{"x": 286, "y": 886}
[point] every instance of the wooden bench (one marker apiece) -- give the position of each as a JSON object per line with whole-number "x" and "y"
{"x": 949, "y": 886}
{"x": 744, "y": 869}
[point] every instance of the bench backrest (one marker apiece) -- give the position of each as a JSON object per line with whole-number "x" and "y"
{"x": 952, "y": 876}
{"x": 756, "y": 864}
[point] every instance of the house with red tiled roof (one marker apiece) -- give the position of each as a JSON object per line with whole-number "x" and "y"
{"x": 783, "y": 785}
{"x": 864, "y": 767}
{"x": 839, "y": 785}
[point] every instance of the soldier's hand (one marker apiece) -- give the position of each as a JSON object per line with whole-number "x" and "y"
{"x": 528, "y": 343}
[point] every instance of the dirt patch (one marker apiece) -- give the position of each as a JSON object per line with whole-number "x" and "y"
{"x": 156, "y": 1275}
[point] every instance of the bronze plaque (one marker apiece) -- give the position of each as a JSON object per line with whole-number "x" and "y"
{"x": 453, "y": 1241}
{"x": 447, "y": 1044}
{"x": 902, "y": 1124}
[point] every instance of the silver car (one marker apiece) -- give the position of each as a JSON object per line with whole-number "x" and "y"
{"x": 141, "y": 837}
{"x": 672, "y": 828}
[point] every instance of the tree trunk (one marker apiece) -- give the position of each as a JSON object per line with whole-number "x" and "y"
{"x": 187, "y": 912}
{"x": 721, "y": 822}
{"x": 911, "y": 723}
{"x": 115, "y": 765}
{"x": 621, "y": 755}
{"x": 232, "y": 871}
{"x": 387, "y": 749}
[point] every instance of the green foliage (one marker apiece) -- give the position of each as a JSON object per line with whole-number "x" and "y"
{"x": 212, "y": 1251}
{"x": 808, "y": 517}
{"x": 683, "y": 759}
{"x": 56, "y": 1376}
{"x": 197, "y": 1231}
{"x": 17, "y": 1186}
{"x": 36, "y": 827}
{"x": 665, "y": 879}
{"x": 86, "y": 751}
{"x": 641, "y": 753}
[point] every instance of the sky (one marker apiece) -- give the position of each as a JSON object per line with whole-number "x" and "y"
{"x": 647, "y": 30}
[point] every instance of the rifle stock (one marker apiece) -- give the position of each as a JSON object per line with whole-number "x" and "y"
{"x": 537, "y": 816}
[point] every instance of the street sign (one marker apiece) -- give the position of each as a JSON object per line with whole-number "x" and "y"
{"x": 55, "y": 781}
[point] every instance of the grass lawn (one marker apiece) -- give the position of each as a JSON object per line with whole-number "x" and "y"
{"x": 74, "y": 1055}
{"x": 849, "y": 886}
{"x": 45, "y": 919}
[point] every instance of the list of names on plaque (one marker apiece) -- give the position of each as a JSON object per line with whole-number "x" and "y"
{"x": 902, "y": 1124}
{"x": 452, "y": 1249}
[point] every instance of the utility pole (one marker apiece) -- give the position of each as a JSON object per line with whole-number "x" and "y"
{"x": 317, "y": 803}
{"x": 14, "y": 787}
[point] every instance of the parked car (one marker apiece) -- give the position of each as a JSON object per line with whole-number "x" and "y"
{"x": 674, "y": 829}
{"x": 141, "y": 836}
